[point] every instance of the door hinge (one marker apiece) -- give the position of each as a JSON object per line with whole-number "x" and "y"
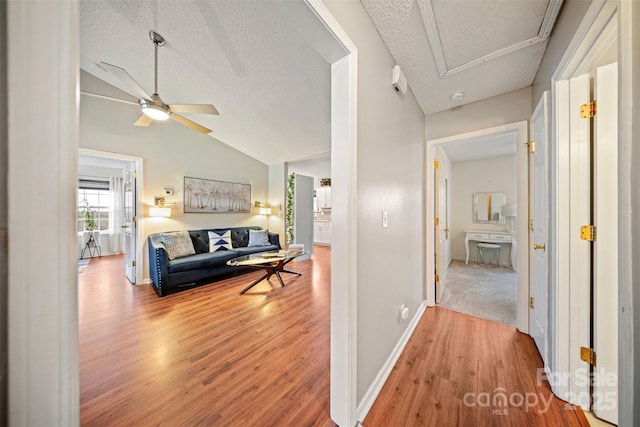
{"x": 134, "y": 219}
{"x": 436, "y": 164}
{"x": 531, "y": 224}
{"x": 530, "y": 302}
{"x": 588, "y": 232}
{"x": 588, "y": 110}
{"x": 437, "y": 278}
{"x": 588, "y": 355}
{"x": 133, "y": 263}
{"x": 436, "y": 221}
{"x": 134, "y": 175}
{"x": 532, "y": 146}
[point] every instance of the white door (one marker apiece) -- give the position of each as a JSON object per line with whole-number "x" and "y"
{"x": 538, "y": 229}
{"x": 605, "y": 246}
{"x": 436, "y": 235}
{"x": 443, "y": 226}
{"x": 130, "y": 222}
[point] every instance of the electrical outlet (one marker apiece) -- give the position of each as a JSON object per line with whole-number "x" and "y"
{"x": 385, "y": 219}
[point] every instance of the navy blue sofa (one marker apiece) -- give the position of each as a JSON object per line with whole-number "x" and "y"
{"x": 169, "y": 276}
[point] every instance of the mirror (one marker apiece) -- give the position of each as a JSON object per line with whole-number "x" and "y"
{"x": 487, "y": 207}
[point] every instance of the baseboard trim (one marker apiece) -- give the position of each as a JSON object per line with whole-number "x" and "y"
{"x": 146, "y": 281}
{"x": 372, "y": 393}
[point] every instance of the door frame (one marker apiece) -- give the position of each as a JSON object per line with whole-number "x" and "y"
{"x": 521, "y": 130}
{"x": 138, "y": 202}
{"x": 595, "y": 34}
{"x": 52, "y": 396}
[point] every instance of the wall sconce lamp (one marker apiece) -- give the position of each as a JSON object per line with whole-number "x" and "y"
{"x": 263, "y": 208}
{"x": 160, "y": 209}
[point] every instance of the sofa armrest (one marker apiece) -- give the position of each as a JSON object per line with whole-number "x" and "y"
{"x": 158, "y": 264}
{"x": 274, "y": 239}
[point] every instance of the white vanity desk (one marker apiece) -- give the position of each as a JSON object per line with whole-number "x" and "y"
{"x": 492, "y": 237}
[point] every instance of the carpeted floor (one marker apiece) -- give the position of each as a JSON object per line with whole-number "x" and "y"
{"x": 481, "y": 290}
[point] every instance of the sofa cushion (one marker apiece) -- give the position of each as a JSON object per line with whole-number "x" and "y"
{"x": 254, "y": 249}
{"x": 198, "y": 261}
{"x": 258, "y": 238}
{"x": 178, "y": 244}
{"x": 220, "y": 241}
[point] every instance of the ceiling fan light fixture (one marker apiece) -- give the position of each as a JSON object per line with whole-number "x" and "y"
{"x": 153, "y": 111}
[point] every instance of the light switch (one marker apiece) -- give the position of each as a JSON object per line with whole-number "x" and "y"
{"x": 385, "y": 219}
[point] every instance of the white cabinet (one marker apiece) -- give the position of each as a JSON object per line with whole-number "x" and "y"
{"x": 322, "y": 232}
{"x": 323, "y": 197}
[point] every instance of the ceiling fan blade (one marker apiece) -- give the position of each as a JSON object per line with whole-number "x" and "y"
{"x": 143, "y": 121}
{"x": 194, "y": 108}
{"x": 187, "y": 122}
{"x": 109, "y": 98}
{"x": 121, "y": 73}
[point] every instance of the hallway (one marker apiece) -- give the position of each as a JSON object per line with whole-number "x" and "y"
{"x": 460, "y": 370}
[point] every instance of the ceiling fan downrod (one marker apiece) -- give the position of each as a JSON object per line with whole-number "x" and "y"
{"x": 157, "y": 40}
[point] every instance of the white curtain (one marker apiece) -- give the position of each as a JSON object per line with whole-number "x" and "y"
{"x": 116, "y": 214}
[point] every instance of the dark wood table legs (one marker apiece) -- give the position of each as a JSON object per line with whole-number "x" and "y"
{"x": 271, "y": 269}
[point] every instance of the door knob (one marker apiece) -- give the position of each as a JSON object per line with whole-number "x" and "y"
{"x": 537, "y": 246}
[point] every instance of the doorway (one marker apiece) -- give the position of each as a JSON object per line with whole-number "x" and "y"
{"x": 585, "y": 187}
{"x": 109, "y": 191}
{"x": 518, "y": 134}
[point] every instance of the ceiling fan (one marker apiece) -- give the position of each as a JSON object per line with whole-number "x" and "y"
{"x": 153, "y": 107}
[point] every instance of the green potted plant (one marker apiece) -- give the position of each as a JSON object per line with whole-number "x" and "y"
{"x": 90, "y": 223}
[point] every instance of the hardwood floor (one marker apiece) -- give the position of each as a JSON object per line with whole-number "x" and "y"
{"x": 211, "y": 357}
{"x": 206, "y": 356}
{"x": 460, "y": 370}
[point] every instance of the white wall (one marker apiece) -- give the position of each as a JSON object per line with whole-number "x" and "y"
{"x": 570, "y": 17}
{"x": 503, "y": 109}
{"x": 390, "y": 178}
{"x": 277, "y": 199}
{"x": 494, "y": 174}
{"x": 170, "y": 151}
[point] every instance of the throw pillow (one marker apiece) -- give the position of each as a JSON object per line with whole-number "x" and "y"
{"x": 220, "y": 242}
{"x": 258, "y": 238}
{"x": 178, "y": 244}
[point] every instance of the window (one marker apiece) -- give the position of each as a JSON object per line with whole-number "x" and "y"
{"x": 94, "y": 199}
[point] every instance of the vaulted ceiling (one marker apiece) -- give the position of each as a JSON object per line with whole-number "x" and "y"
{"x": 271, "y": 88}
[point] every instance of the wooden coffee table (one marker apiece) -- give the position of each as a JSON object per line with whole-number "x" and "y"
{"x": 273, "y": 262}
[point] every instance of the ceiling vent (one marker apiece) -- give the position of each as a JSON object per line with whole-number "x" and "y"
{"x": 398, "y": 80}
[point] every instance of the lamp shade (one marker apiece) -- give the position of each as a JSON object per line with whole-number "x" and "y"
{"x": 160, "y": 212}
{"x": 265, "y": 211}
{"x": 509, "y": 210}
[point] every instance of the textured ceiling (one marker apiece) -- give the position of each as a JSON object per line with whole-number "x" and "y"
{"x": 482, "y": 47}
{"x": 272, "y": 89}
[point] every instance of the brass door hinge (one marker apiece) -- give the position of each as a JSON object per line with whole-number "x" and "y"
{"x": 436, "y": 221}
{"x": 134, "y": 219}
{"x": 532, "y": 146}
{"x": 531, "y": 224}
{"x": 436, "y": 164}
{"x": 588, "y": 110}
{"x": 134, "y": 175}
{"x": 437, "y": 278}
{"x": 588, "y": 232}
{"x": 530, "y": 302}
{"x": 133, "y": 263}
{"x": 588, "y": 355}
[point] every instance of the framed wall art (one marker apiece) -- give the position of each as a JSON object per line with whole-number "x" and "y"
{"x": 210, "y": 196}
